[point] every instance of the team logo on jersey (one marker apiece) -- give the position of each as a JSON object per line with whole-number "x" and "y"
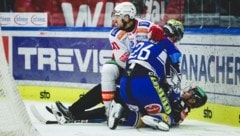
{"x": 144, "y": 23}
{"x": 115, "y": 46}
{"x": 153, "y": 108}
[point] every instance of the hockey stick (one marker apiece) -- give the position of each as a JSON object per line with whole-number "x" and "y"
{"x": 39, "y": 117}
{"x": 49, "y": 109}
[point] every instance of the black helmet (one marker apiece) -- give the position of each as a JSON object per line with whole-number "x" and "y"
{"x": 174, "y": 28}
{"x": 199, "y": 95}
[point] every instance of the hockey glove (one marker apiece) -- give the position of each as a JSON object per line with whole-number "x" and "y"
{"x": 174, "y": 81}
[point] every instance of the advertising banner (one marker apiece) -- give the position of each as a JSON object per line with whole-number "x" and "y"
{"x": 58, "y": 59}
{"x": 18, "y": 19}
{"x": 212, "y": 62}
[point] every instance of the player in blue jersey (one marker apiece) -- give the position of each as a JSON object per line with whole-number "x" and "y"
{"x": 139, "y": 87}
{"x": 141, "y": 91}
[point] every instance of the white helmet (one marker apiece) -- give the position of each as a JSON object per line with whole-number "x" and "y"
{"x": 125, "y": 8}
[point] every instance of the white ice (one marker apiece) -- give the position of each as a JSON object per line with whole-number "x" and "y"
{"x": 187, "y": 128}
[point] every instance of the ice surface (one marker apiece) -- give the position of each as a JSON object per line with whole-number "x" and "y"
{"x": 187, "y": 128}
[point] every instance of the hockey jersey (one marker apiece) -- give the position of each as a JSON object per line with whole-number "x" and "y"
{"x": 154, "y": 56}
{"x": 139, "y": 85}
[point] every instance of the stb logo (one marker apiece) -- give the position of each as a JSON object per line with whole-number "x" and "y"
{"x": 207, "y": 113}
{"x": 44, "y": 95}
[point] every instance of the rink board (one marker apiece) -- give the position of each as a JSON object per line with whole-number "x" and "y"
{"x": 216, "y": 113}
{"x": 51, "y": 94}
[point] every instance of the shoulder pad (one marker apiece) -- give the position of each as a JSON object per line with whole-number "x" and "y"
{"x": 114, "y": 31}
{"x": 119, "y": 34}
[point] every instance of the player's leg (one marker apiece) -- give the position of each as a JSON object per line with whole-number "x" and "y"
{"x": 90, "y": 99}
{"x": 120, "y": 110}
{"x": 110, "y": 73}
{"x": 94, "y": 95}
{"x": 145, "y": 93}
{"x": 155, "y": 105}
{"x": 76, "y": 110}
{"x": 93, "y": 114}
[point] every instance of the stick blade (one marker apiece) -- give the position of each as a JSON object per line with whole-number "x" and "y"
{"x": 39, "y": 117}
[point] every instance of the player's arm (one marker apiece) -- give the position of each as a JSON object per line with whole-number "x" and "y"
{"x": 180, "y": 109}
{"x": 173, "y": 73}
{"x": 156, "y": 33}
{"x": 120, "y": 47}
{"x": 179, "y": 112}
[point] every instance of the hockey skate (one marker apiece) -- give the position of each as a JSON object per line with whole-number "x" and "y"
{"x": 64, "y": 111}
{"x": 155, "y": 123}
{"x": 115, "y": 114}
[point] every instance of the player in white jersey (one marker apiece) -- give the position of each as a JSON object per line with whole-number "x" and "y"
{"x": 128, "y": 32}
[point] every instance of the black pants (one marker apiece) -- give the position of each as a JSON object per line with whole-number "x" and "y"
{"x": 92, "y": 98}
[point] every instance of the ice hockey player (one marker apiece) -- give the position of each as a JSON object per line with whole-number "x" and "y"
{"x": 140, "y": 90}
{"x": 128, "y": 32}
{"x": 182, "y": 103}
